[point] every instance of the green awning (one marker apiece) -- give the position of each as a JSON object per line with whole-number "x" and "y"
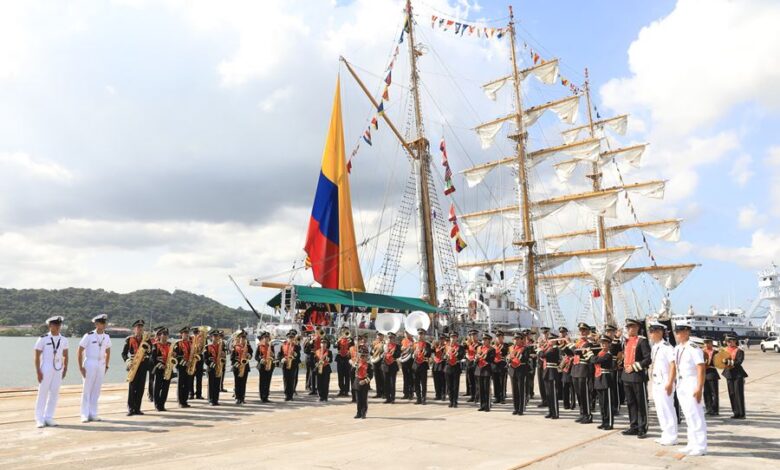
{"x": 306, "y": 296}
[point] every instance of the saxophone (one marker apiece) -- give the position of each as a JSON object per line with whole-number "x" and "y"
{"x": 243, "y": 362}
{"x": 219, "y": 367}
{"x": 289, "y": 356}
{"x": 138, "y": 357}
{"x": 268, "y": 360}
{"x": 321, "y": 363}
{"x": 170, "y": 364}
{"x": 196, "y": 353}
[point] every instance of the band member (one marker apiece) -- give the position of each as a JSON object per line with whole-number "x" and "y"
{"x": 518, "y": 357}
{"x": 551, "y": 357}
{"x": 581, "y": 372}
{"x": 353, "y": 354}
{"x": 159, "y": 360}
{"x": 215, "y": 365}
{"x": 568, "y": 391}
{"x": 712, "y": 377}
{"x": 182, "y": 350}
{"x": 602, "y": 382}
{"x": 322, "y": 359}
{"x": 390, "y": 367}
{"x": 51, "y": 366}
{"x": 363, "y": 374}
{"x": 472, "y": 343}
{"x": 616, "y": 350}
{"x": 264, "y": 355}
{"x": 240, "y": 354}
{"x": 135, "y": 390}
{"x": 377, "y": 350}
{"x": 486, "y": 353}
{"x": 343, "y": 368}
{"x": 620, "y": 339}
{"x": 227, "y": 346}
{"x": 498, "y": 369}
{"x": 93, "y": 358}
{"x": 691, "y": 370}
{"x": 735, "y": 377}
{"x": 310, "y": 349}
{"x": 196, "y": 389}
{"x": 422, "y": 351}
{"x": 407, "y": 345}
{"x": 541, "y": 341}
{"x": 664, "y": 377}
{"x": 635, "y": 363}
{"x": 289, "y": 357}
{"x": 150, "y": 386}
{"x": 529, "y": 342}
{"x": 437, "y": 369}
{"x": 453, "y": 356}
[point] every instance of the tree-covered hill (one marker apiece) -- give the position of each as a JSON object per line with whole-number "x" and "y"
{"x": 78, "y": 306}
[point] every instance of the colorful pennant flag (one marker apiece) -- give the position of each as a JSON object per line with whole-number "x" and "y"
{"x": 452, "y": 217}
{"x": 367, "y": 136}
{"x": 460, "y": 244}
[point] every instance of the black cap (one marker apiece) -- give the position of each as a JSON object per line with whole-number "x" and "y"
{"x": 214, "y": 333}
{"x": 420, "y": 331}
{"x": 292, "y": 333}
{"x": 139, "y": 323}
{"x": 729, "y": 338}
{"x": 390, "y": 334}
{"x": 161, "y": 330}
{"x": 563, "y": 329}
{"x": 707, "y": 339}
{"x": 454, "y": 334}
{"x": 185, "y": 329}
{"x": 499, "y": 333}
{"x": 583, "y": 326}
{"x": 632, "y": 321}
{"x": 379, "y": 333}
{"x": 473, "y": 332}
{"x": 519, "y": 335}
{"x": 610, "y": 327}
{"x": 544, "y": 328}
{"x": 526, "y": 331}
{"x": 487, "y": 336}
{"x": 605, "y": 339}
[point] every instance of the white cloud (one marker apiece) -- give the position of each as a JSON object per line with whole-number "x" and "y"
{"x": 277, "y": 96}
{"x": 773, "y": 161}
{"x": 764, "y": 247}
{"x": 22, "y": 165}
{"x": 693, "y": 66}
{"x": 741, "y": 170}
{"x": 749, "y": 217}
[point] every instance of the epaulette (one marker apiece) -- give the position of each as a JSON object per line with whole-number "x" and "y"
{"x": 694, "y": 345}
{"x": 44, "y": 335}
{"x": 640, "y": 337}
{"x": 91, "y": 332}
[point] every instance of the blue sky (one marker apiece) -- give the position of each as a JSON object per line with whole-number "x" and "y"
{"x": 167, "y": 144}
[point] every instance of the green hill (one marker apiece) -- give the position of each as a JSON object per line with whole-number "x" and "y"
{"x": 78, "y": 306}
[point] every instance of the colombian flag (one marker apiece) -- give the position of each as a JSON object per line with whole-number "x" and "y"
{"x": 330, "y": 241}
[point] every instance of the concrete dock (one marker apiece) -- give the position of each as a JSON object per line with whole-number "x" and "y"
{"x": 308, "y": 434}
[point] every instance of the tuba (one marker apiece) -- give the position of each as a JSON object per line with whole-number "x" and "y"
{"x": 376, "y": 353}
{"x": 170, "y": 364}
{"x": 140, "y": 355}
{"x": 415, "y": 321}
{"x": 388, "y": 323}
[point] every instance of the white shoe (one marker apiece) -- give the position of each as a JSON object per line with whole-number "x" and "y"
{"x": 40, "y": 424}
{"x": 666, "y": 443}
{"x": 84, "y": 419}
{"x": 685, "y": 450}
{"x": 51, "y": 422}
{"x": 697, "y": 452}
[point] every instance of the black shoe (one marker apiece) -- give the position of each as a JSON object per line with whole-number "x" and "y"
{"x": 139, "y": 412}
{"x": 642, "y": 435}
{"x": 199, "y": 397}
{"x": 425, "y": 401}
{"x": 542, "y": 405}
{"x": 600, "y": 426}
{"x": 312, "y": 393}
{"x": 554, "y": 417}
{"x": 548, "y": 416}
{"x": 607, "y": 428}
{"x": 471, "y": 400}
{"x": 357, "y": 416}
{"x": 454, "y": 405}
{"x": 579, "y": 419}
{"x": 363, "y": 417}
{"x": 586, "y": 421}
{"x": 514, "y": 412}
{"x": 629, "y": 432}
{"x": 449, "y": 406}
{"x": 740, "y": 417}
{"x": 265, "y": 401}
{"x": 130, "y": 413}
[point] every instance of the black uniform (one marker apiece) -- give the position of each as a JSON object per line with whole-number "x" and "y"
{"x": 323, "y": 378}
{"x": 390, "y": 370}
{"x": 212, "y": 356}
{"x": 437, "y": 370}
{"x": 603, "y": 379}
{"x": 711, "y": 379}
{"x": 196, "y": 391}
{"x": 406, "y": 371}
{"x": 265, "y": 375}
{"x": 551, "y": 358}
{"x": 471, "y": 369}
{"x": 540, "y": 373}
{"x": 182, "y": 350}
{"x": 310, "y": 348}
{"x": 518, "y": 371}
{"x": 364, "y": 372}
{"x": 289, "y": 374}
{"x": 452, "y": 372}
{"x": 135, "y": 391}
{"x": 379, "y": 377}
{"x": 158, "y": 360}
{"x": 420, "y": 355}
{"x": 498, "y": 371}
{"x": 735, "y": 379}
{"x": 343, "y": 367}
{"x": 581, "y": 373}
{"x": 568, "y": 392}
{"x": 239, "y": 381}
{"x": 616, "y": 392}
{"x": 635, "y": 384}
{"x": 484, "y": 374}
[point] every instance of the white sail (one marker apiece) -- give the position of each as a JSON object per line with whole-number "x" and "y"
{"x": 617, "y": 124}
{"x": 603, "y": 266}
{"x": 546, "y": 72}
{"x": 671, "y": 278}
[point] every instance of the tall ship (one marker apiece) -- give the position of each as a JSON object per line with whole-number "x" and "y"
{"x": 547, "y": 228}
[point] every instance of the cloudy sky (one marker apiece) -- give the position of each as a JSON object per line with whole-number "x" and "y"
{"x": 167, "y": 144}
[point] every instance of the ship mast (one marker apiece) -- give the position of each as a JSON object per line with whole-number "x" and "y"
{"x": 522, "y": 177}
{"x": 421, "y": 164}
{"x": 595, "y": 176}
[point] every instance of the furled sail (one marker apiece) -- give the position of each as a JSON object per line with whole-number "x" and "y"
{"x": 546, "y": 72}
{"x": 669, "y": 276}
{"x": 617, "y": 124}
{"x": 631, "y": 155}
{"x": 667, "y": 230}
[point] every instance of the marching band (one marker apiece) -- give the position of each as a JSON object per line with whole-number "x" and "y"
{"x": 587, "y": 372}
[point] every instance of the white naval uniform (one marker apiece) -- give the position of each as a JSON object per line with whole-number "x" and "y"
{"x": 687, "y": 357}
{"x": 95, "y": 346}
{"x": 663, "y": 358}
{"x": 52, "y": 349}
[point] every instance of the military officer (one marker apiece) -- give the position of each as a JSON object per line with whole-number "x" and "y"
{"x": 452, "y": 359}
{"x": 551, "y": 357}
{"x": 322, "y": 359}
{"x": 437, "y": 369}
{"x": 51, "y": 366}
{"x": 712, "y": 377}
{"x": 664, "y": 378}
{"x": 362, "y": 381}
{"x": 568, "y": 390}
{"x": 581, "y": 372}
{"x": 735, "y": 377}
{"x": 407, "y": 345}
{"x": 240, "y": 354}
{"x": 689, "y": 361}
{"x": 343, "y": 345}
{"x": 616, "y": 350}
{"x": 135, "y": 345}
{"x": 541, "y": 341}
{"x": 602, "y": 381}
{"x": 421, "y": 354}
{"x": 159, "y": 360}
{"x": 484, "y": 373}
{"x": 264, "y": 355}
{"x": 636, "y": 360}
{"x": 289, "y": 357}
{"x": 498, "y": 367}
{"x": 376, "y": 346}
{"x": 214, "y": 357}
{"x": 93, "y": 358}
{"x": 472, "y": 343}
